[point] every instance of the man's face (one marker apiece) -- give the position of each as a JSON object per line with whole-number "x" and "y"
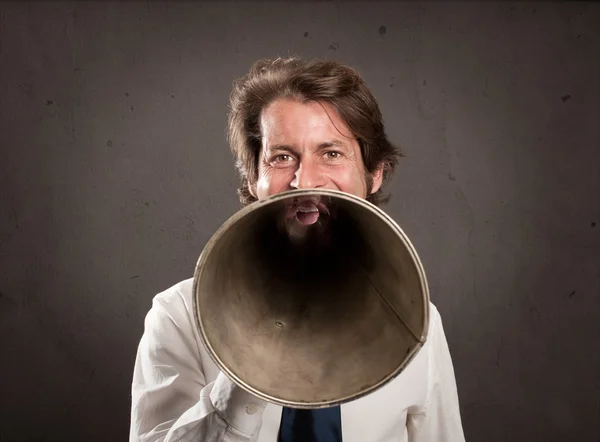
{"x": 308, "y": 146}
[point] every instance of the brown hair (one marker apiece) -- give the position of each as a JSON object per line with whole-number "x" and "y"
{"x": 317, "y": 80}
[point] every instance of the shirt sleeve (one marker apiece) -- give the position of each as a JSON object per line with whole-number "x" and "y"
{"x": 171, "y": 400}
{"x": 439, "y": 419}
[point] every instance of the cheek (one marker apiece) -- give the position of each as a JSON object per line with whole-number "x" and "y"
{"x": 351, "y": 180}
{"x": 262, "y": 187}
{"x": 272, "y": 181}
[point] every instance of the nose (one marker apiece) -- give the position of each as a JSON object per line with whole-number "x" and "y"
{"x": 308, "y": 176}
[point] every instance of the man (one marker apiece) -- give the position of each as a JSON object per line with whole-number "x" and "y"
{"x": 292, "y": 125}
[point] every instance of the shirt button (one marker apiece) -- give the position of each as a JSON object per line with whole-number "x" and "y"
{"x": 251, "y": 409}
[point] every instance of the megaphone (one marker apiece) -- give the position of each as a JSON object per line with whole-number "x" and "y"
{"x": 311, "y": 298}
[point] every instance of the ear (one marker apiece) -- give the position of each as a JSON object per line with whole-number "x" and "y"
{"x": 377, "y": 176}
{"x": 252, "y": 188}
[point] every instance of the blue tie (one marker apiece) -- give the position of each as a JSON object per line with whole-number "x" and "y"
{"x": 319, "y": 425}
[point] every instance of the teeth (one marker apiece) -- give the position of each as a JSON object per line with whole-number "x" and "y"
{"x": 308, "y": 209}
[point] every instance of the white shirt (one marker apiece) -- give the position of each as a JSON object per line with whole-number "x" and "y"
{"x": 179, "y": 394}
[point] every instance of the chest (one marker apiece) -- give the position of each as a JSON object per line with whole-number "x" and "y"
{"x": 377, "y": 417}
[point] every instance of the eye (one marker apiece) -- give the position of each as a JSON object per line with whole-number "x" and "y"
{"x": 333, "y": 155}
{"x": 283, "y": 158}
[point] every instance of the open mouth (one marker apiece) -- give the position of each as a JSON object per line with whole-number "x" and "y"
{"x": 307, "y": 211}
{"x": 307, "y": 214}
{"x": 306, "y": 218}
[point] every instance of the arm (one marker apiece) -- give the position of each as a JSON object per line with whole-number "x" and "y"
{"x": 439, "y": 419}
{"x": 171, "y": 400}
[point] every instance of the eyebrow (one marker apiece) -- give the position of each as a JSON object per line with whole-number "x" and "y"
{"x": 332, "y": 143}
{"x": 281, "y": 147}
{"x": 321, "y": 146}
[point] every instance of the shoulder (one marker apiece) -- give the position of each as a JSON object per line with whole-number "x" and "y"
{"x": 174, "y": 304}
{"x": 435, "y": 319}
{"x": 435, "y": 334}
{"x": 177, "y": 296}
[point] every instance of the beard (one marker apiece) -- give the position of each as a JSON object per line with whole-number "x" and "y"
{"x": 310, "y": 249}
{"x": 306, "y": 223}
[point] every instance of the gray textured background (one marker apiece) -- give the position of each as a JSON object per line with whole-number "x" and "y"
{"x": 115, "y": 172}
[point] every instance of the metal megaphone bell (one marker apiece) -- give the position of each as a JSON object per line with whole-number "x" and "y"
{"x": 311, "y": 298}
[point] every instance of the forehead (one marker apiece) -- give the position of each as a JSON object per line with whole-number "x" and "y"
{"x": 287, "y": 118}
